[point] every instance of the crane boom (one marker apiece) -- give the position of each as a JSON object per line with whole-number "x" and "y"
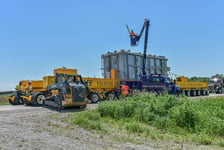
{"x": 135, "y": 39}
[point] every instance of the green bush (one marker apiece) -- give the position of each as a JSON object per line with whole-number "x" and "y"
{"x": 185, "y": 116}
{"x": 178, "y": 115}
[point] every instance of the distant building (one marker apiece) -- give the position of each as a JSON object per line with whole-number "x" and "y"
{"x": 129, "y": 65}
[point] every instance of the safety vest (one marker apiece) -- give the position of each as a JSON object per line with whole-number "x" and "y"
{"x": 125, "y": 89}
{"x": 18, "y": 87}
{"x": 132, "y": 33}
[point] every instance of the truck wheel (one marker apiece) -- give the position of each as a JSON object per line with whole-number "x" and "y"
{"x": 193, "y": 93}
{"x": 38, "y": 99}
{"x": 188, "y": 93}
{"x": 198, "y": 93}
{"x": 203, "y": 93}
{"x": 94, "y": 97}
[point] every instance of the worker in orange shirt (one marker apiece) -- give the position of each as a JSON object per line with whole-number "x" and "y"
{"x": 29, "y": 87}
{"x": 125, "y": 89}
{"x": 132, "y": 32}
{"x": 134, "y": 38}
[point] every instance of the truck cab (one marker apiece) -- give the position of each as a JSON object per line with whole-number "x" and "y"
{"x": 159, "y": 84}
{"x": 215, "y": 85}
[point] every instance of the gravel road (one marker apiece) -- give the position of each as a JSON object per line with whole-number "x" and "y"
{"x": 41, "y": 128}
{"x": 37, "y": 128}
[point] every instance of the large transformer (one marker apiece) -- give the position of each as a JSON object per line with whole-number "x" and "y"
{"x": 129, "y": 65}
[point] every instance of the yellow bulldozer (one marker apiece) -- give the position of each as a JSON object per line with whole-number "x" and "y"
{"x": 96, "y": 89}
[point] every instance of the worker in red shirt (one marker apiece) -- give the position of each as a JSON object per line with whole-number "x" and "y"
{"x": 125, "y": 89}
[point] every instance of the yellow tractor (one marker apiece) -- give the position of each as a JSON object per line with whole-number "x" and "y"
{"x": 68, "y": 91}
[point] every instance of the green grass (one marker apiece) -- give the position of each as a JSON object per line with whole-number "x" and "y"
{"x": 160, "y": 117}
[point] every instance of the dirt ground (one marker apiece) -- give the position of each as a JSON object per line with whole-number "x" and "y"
{"x": 37, "y": 128}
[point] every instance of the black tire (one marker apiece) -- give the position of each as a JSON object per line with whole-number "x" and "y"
{"x": 17, "y": 100}
{"x": 188, "y": 93}
{"x": 203, "y": 93}
{"x": 94, "y": 97}
{"x": 38, "y": 98}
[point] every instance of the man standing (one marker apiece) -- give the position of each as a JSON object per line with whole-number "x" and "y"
{"x": 19, "y": 87}
{"x": 29, "y": 87}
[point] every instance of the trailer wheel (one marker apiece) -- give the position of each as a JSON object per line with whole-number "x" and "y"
{"x": 198, "y": 93}
{"x": 94, "y": 97}
{"x": 193, "y": 93}
{"x": 38, "y": 99}
{"x": 188, "y": 93}
{"x": 203, "y": 92}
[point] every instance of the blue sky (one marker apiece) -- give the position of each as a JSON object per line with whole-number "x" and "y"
{"x": 38, "y": 36}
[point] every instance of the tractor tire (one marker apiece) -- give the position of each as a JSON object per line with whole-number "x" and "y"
{"x": 94, "y": 97}
{"x": 37, "y": 99}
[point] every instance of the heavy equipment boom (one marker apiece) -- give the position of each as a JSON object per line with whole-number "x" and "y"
{"x": 135, "y": 39}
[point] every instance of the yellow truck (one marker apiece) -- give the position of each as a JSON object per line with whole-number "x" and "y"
{"x": 100, "y": 88}
{"x": 189, "y": 88}
{"x": 97, "y": 88}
